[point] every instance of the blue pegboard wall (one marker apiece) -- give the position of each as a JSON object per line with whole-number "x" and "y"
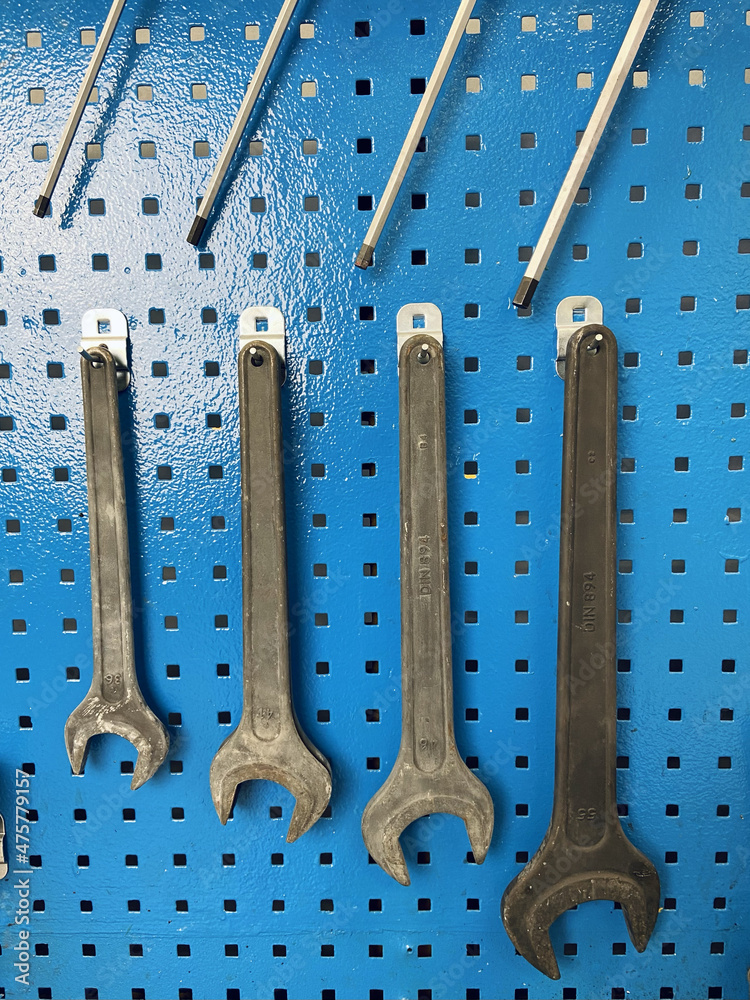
{"x": 144, "y": 894}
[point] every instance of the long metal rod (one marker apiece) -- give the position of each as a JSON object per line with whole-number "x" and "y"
{"x": 444, "y": 60}
{"x": 248, "y": 103}
{"x": 597, "y": 123}
{"x": 41, "y": 205}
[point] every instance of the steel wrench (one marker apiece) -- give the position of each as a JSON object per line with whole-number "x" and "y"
{"x": 268, "y": 742}
{"x": 429, "y": 776}
{"x": 114, "y": 703}
{"x": 585, "y": 854}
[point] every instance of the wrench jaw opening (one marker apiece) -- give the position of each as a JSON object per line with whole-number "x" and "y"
{"x": 409, "y": 794}
{"x": 114, "y": 702}
{"x": 284, "y": 760}
{"x": 269, "y": 742}
{"x": 585, "y": 854}
{"x": 429, "y": 775}
{"x": 544, "y": 890}
{"x": 94, "y": 717}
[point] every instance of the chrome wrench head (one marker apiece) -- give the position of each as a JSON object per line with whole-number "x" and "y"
{"x": 285, "y": 759}
{"x": 563, "y": 874}
{"x": 408, "y": 794}
{"x": 132, "y": 719}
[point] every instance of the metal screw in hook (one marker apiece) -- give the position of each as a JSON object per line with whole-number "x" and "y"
{"x": 255, "y": 359}
{"x": 423, "y": 355}
{"x": 593, "y": 346}
{"x": 96, "y": 362}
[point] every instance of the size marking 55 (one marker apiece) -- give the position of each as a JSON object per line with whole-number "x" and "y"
{"x": 586, "y": 814}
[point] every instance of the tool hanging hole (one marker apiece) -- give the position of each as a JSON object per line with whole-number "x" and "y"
{"x": 255, "y": 358}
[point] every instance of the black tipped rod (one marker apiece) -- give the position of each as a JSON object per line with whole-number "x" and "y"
{"x": 444, "y": 60}
{"x": 41, "y": 205}
{"x": 238, "y": 127}
{"x": 579, "y": 164}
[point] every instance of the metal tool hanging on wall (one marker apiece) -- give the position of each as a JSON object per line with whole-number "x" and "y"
{"x": 392, "y": 188}
{"x": 429, "y": 775}
{"x": 114, "y": 702}
{"x": 41, "y": 205}
{"x": 585, "y": 854}
{"x": 240, "y": 121}
{"x": 268, "y": 742}
{"x": 585, "y": 152}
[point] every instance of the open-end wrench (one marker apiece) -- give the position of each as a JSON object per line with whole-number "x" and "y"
{"x": 268, "y": 742}
{"x": 585, "y": 854}
{"x": 114, "y": 703}
{"x": 428, "y": 776}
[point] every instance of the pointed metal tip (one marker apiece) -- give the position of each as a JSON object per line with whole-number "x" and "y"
{"x": 525, "y": 292}
{"x": 143, "y": 771}
{"x": 364, "y": 257}
{"x": 222, "y": 802}
{"x": 301, "y": 821}
{"x": 534, "y": 946}
{"x": 396, "y": 868}
{"x": 550, "y": 969}
{"x": 76, "y": 753}
{"x": 196, "y": 230}
{"x": 393, "y": 862}
{"x": 41, "y": 206}
{"x": 385, "y": 849}
{"x": 152, "y": 744}
{"x": 479, "y": 850}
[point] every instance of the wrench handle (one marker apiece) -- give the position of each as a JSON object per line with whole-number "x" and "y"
{"x": 426, "y": 681}
{"x": 266, "y": 683}
{"x": 114, "y": 677}
{"x": 585, "y": 775}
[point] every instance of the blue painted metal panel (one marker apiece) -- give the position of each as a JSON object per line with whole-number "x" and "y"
{"x": 115, "y": 881}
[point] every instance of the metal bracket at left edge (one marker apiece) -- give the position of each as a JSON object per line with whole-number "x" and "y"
{"x": 264, "y": 323}
{"x": 108, "y": 327}
{"x": 415, "y": 318}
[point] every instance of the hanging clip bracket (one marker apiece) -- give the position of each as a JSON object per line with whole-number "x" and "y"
{"x": 415, "y": 318}
{"x": 108, "y": 328}
{"x": 573, "y": 313}
{"x": 264, "y": 323}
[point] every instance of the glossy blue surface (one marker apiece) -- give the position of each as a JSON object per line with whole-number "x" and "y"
{"x": 700, "y": 948}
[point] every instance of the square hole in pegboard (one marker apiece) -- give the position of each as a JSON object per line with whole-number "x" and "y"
{"x": 292, "y": 218}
